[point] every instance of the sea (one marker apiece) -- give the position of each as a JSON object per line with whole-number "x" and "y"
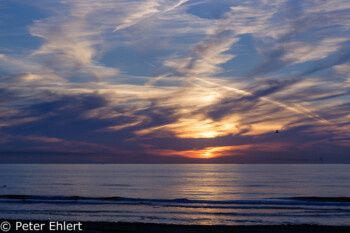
{"x": 205, "y": 194}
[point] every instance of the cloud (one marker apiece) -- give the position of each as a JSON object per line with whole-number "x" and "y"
{"x": 145, "y": 9}
{"x": 139, "y": 10}
{"x": 207, "y": 55}
{"x": 342, "y": 56}
{"x": 72, "y": 42}
{"x": 48, "y": 123}
{"x": 323, "y": 30}
{"x": 161, "y": 80}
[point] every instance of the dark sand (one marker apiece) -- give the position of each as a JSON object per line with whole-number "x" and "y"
{"x": 168, "y": 228}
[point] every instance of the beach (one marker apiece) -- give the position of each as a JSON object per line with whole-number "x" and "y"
{"x": 169, "y": 228}
{"x": 122, "y": 227}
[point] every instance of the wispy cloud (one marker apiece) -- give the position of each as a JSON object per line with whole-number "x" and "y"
{"x": 139, "y": 10}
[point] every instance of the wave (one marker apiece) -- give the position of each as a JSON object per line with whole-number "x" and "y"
{"x": 115, "y": 185}
{"x": 291, "y": 201}
{"x": 322, "y": 199}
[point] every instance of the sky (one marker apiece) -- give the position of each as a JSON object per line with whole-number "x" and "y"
{"x": 175, "y": 81}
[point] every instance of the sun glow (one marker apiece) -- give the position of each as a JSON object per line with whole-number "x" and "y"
{"x": 204, "y": 153}
{"x": 196, "y": 127}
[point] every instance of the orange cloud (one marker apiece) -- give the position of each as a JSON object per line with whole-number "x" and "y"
{"x": 205, "y": 153}
{"x": 219, "y": 151}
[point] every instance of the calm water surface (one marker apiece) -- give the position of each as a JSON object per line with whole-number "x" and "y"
{"x": 182, "y": 194}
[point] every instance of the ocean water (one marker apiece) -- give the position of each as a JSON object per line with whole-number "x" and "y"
{"x": 179, "y": 194}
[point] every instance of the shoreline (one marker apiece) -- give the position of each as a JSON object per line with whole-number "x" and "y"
{"x": 127, "y": 227}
